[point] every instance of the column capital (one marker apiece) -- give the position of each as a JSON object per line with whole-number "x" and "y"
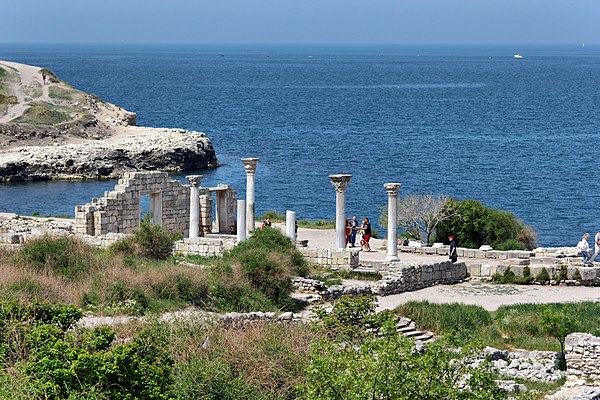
{"x": 392, "y": 188}
{"x": 195, "y": 179}
{"x": 340, "y": 182}
{"x": 250, "y": 164}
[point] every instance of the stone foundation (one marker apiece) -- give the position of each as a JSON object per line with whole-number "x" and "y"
{"x": 331, "y": 258}
{"x": 583, "y": 355}
{"x": 205, "y": 246}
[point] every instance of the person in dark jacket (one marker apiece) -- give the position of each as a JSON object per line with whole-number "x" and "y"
{"x": 452, "y": 253}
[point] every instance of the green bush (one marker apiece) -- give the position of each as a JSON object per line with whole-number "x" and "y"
{"x": 543, "y": 276}
{"x": 148, "y": 241}
{"x": 61, "y": 368}
{"x": 181, "y": 287}
{"x": 473, "y": 224}
{"x": 268, "y": 261}
{"x": 577, "y": 275}
{"x": 509, "y": 277}
{"x": 510, "y": 244}
{"x": 388, "y": 367}
{"x": 65, "y": 256}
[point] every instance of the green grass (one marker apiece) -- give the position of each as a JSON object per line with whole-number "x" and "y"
{"x": 511, "y": 326}
{"x": 6, "y": 99}
{"x": 60, "y": 93}
{"x": 318, "y": 224}
{"x": 254, "y": 276}
{"x": 42, "y": 114}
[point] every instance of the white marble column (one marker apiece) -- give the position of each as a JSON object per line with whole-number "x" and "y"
{"x": 340, "y": 183}
{"x": 290, "y": 224}
{"x": 392, "y": 233}
{"x": 241, "y": 220}
{"x": 194, "y": 204}
{"x": 250, "y": 166}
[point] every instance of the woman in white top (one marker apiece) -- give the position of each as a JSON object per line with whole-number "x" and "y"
{"x": 584, "y": 247}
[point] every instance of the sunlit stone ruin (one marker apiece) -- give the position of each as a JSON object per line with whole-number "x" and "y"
{"x": 120, "y": 210}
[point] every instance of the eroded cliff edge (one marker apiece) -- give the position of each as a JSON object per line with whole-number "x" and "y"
{"x": 50, "y": 130}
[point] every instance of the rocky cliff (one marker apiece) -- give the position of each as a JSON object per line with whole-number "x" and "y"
{"x": 50, "y": 130}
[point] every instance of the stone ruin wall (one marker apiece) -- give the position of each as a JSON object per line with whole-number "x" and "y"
{"x": 119, "y": 210}
{"x": 582, "y": 352}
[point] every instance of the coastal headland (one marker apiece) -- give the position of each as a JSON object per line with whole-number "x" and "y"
{"x": 50, "y": 130}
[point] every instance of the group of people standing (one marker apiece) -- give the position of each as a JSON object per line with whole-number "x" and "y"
{"x": 362, "y": 230}
{"x": 584, "y": 248}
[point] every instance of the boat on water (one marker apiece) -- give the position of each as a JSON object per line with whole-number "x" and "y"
{"x": 518, "y": 56}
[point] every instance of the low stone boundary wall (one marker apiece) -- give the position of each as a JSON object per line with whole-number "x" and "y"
{"x": 103, "y": 241}
{"x": 205, "y": 246}
{"x": 469, "y": 253}
{"x": 404, "y": 277}
{"x": 332, "y": 258}
{"x": 582, "y": 354}
{"x": 590, "y": 276}
{"x": 398, "y": 278}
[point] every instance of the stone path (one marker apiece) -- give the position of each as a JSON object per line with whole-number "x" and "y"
{"x": 30, "y": 77}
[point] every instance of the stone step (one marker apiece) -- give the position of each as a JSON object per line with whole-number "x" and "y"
{"x": 402, "y": 322}
{"x": 413, "y": 334}
{"x": 406, "y": 329}
{"x": 425, "y": 336}
{"x": 365, "y": 270}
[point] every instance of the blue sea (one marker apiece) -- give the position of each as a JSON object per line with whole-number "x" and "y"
{"x": 467, "y": 121}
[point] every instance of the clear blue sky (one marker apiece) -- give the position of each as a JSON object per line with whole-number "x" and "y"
{"x": 301, "y": 21}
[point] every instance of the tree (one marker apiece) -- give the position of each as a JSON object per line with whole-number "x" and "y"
{"x": 474, "y": 224}
{"x": 421, "y": 214}
{"x": 558, "y": 324}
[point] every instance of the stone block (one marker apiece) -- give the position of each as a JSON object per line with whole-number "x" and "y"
{"x": 474, "y": 269}
{"x": 469, "y": 253}
{"x": 442, "y": 251}
{"x": 487, "y": 270}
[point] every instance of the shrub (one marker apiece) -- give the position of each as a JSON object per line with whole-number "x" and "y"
{"x": 180, "y": 286}
{"x": 65, "y": 256}
{"x": 577, "y": 275}
{"x": 563, "y": 274}
{"x": 474, "y": 224}
{"x": 256, "y": 361}
{"x": 268, "y": 261}
{"x": 388, "y": 367}
{"x": 510, "y": 277}
{"x": 510, "y": 244}
{"x": 148, "y": 241}
{"x": 62, "y": 368}
{"x": 543, "y": 276}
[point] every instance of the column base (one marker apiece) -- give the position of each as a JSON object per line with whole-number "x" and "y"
{"x": 391, "y": 258}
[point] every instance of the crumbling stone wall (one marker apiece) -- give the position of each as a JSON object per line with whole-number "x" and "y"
{"x": 332, "y": 258}
{"x": 582, "y": 352}
{"x": 119, "y": 210}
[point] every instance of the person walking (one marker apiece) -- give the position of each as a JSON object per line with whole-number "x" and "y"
{"x": 452, "y": 255}
{"x": 584, "y": 248}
